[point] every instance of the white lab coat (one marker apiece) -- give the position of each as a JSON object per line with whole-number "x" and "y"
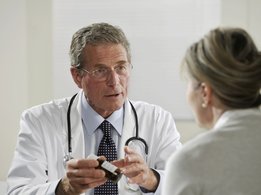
{"x": 42, "y": 144}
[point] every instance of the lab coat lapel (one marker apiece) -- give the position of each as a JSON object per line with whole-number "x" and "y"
{"x": 77, "y": 140}
{"x": 128, "y": 127}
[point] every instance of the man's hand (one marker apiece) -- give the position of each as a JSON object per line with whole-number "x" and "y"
{"x": 135, "y": 168}
{"x": 81, "y": 175}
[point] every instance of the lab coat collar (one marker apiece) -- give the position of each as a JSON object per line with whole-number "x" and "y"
{"x": 77, "y": 136}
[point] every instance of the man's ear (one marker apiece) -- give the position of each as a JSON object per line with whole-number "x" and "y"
{"x": 206, "y": 94}
{"x": 77, "y": 77}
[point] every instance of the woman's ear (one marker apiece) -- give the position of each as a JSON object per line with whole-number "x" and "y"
{"x": 206, "y": 94}
{"x": 77, "y": 77}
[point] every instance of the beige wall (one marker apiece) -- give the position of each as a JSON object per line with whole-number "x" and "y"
{"x": 243, "y": 13}
{"x": 25, "y": 53}
{"x": 13, "y": 79}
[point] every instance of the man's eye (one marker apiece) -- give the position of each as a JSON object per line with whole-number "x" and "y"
{"x": 121, "y": 68}
{"x": 101, "y": 70}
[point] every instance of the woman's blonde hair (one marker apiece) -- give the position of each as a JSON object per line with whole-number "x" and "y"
{"x": 227, "y": 59}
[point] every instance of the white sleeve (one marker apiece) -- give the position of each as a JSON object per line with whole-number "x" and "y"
{"x": 28, "y": 172}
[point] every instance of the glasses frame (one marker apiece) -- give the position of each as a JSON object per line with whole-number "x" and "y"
{"x": 92, "y": 73}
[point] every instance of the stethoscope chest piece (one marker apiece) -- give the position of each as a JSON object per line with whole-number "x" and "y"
{"x": 66, "y": 158}
{"x": 139, "y": 145}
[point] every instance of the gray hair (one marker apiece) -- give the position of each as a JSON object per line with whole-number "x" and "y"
{"x": 227, "y": 59}
{"x": 95, "y": 34}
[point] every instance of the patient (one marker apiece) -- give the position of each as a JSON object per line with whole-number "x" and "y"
{"x": 224, "y": 79}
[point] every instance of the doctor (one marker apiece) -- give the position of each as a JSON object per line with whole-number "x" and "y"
{"x": 100, "y": 67}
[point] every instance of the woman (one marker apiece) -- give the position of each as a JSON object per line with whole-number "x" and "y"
{"x": 224, "y": 79}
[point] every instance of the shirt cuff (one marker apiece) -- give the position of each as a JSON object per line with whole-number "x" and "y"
{"x": 157, "y": 175}
{"x": 52, "y": 187}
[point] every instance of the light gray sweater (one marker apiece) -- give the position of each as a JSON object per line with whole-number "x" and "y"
{"x": 223, "y": 161}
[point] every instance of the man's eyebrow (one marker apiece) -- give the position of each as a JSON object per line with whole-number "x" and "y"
{"x": 100, "y": 66}
{"x": 121, "y": 62}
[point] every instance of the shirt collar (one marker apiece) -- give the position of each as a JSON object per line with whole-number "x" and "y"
{"x": 92, "y": 119}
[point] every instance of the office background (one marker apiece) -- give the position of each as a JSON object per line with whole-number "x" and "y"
{"x": 29, "y": 53}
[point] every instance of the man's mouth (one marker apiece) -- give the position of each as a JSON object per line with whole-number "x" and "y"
{"x": 113, "y": 95}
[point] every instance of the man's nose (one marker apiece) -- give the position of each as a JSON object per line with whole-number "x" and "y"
{"x": 113, "y": 77}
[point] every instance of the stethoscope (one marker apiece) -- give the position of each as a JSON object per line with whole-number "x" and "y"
{"x": 132, "y": 141}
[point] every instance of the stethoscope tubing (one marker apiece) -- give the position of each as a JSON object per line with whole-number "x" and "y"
{"x": 68, "y": 156}
{"x": 69, "y": 123}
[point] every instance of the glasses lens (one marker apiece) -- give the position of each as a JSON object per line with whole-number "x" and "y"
{"x": 122, "y": 70}
{"x": 100, "y": 73}
{"x": 103, "y": 72}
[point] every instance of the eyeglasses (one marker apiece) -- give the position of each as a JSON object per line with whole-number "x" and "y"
{"x": 102, "y": 73}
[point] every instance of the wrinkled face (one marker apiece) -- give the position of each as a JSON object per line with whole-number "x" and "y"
{"x": 107, "y": 95}
{"x": 195, "y": 93}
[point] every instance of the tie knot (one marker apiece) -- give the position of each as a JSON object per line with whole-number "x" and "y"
{"x": 106, "y": 128}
